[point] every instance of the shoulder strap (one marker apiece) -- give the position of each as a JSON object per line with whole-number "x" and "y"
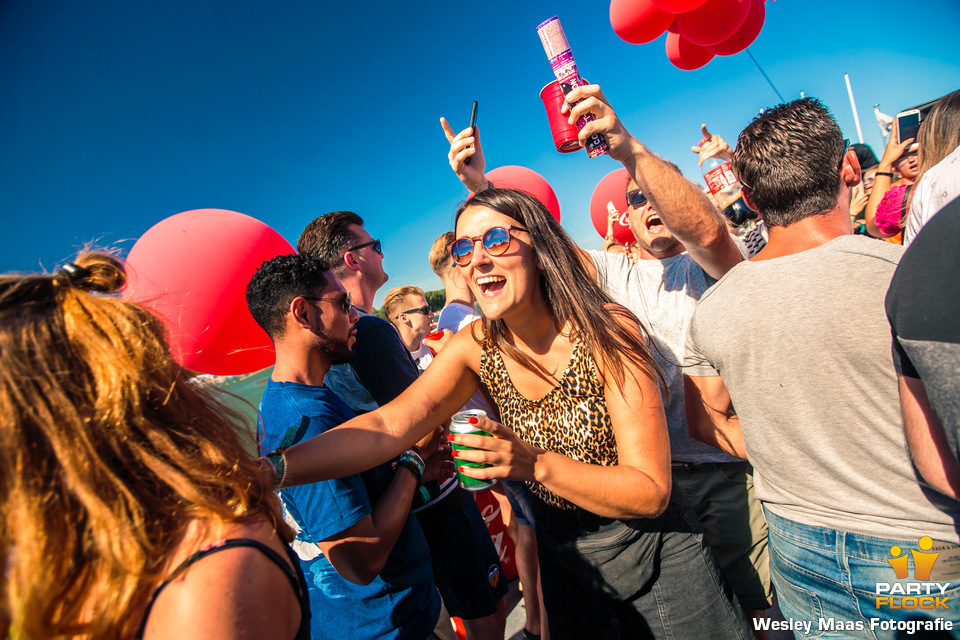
{"x": 293, "y": 574}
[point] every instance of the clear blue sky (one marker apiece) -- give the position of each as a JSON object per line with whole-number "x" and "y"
{"x": 115, "y": 115}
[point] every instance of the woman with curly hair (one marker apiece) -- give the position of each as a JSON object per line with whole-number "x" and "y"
{"x": 129, "y": 505}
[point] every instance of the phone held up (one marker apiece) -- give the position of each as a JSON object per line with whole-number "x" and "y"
{"x": 908, "y": 124}
{"x": 473, "y": 123}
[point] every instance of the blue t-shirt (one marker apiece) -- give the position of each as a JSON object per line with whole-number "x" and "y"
{"x": 402, "y": 602}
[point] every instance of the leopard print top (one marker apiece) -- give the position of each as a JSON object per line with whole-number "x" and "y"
{"x": 571, "y": 419}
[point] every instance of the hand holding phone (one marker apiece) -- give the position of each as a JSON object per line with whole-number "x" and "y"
{"x": 473, "y": 123}
{"x": 908, "y": 124}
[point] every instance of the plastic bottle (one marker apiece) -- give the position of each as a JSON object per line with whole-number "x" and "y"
{"x": 720, "y": 179}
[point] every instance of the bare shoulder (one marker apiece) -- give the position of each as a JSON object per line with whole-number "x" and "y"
{"x": 233, "y": 592}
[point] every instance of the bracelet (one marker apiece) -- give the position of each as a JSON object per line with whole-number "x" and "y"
{"x": 889, "y": 174}
{"x": 412, "y": 459}
{"x": 278, "y": 464}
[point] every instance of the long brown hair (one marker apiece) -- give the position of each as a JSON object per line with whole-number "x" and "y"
{"x": 939, "y": 134}
{"x": 572, "y": 296}
{"x": 108, "y": 451}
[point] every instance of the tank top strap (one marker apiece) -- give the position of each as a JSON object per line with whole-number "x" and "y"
{"x": 294, "y": 575}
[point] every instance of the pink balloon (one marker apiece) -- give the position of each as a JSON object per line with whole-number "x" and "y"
{"x": 685, "y": 55}
{"x": 677, "y": 6}
{"x": 528, "y": 181}
{"x": 714, "y": 22}
{"x": 612, "y": 188}
{"x": 638, "y": 21}
{"x": 746, "y": 34}
{"x": 192, "y": 270}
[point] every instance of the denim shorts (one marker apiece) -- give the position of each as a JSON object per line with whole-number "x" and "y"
{"x": 826, "y": 576}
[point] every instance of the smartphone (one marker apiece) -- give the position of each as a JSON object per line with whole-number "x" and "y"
{"x": 473, "y": 123}
{"x": 908, "y": 123}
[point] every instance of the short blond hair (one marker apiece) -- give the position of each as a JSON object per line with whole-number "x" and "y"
{"x": 394, "y": 301}
{"x": 440, "y": 257}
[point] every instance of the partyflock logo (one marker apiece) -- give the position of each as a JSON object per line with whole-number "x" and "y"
{"x": 920, "y": 594}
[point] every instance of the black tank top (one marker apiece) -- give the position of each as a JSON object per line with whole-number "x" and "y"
{"x": 294, "y": 574}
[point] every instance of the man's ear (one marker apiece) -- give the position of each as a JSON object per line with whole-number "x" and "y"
{"x": 850, "y": 171}
{"x": 745, "y": 194}
{"x": 299, "y": 312}
{"x": 350, "y": 261}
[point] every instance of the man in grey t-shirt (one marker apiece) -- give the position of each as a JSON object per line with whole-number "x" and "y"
{"x": 816, "y": 412}
{"x": 683, "y": 247}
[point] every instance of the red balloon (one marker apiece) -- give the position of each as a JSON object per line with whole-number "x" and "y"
{"x": 638, "y": 21}
{"x": 192, "y": 270}
{"x": 685, "y": 55}
{"x": 672, "y": 27}
{"x": 714, "y": 22}
{"x": 677, "y": 6}
{"x": 528, "y": 181}
{"x": 746, "y": 34}
{"x": 612, "y": 188}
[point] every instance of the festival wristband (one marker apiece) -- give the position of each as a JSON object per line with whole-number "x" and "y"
{"x": 889, "y": 174}
{"x": 278, "y": 464}
{"x": 413, "y": 460}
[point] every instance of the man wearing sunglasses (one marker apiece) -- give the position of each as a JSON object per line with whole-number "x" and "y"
{"x": 466, "y": 565}
{"x": 408, "y": 311}
{"x": 365, "y": 559}
{"x": 683, "y": 248}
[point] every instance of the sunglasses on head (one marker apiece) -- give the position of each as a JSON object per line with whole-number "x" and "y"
{"x": 374, "y": 243}
{"x": 344, "y": 305}
{"x": 496, "y": 241}
{"x": 425, "y": 310}
{"x": 635, "y": 198}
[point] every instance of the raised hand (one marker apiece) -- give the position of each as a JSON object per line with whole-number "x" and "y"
{"x": 711, "y": 146}
{"x": 463, "y": 145}
{"x": 590, "y": 99}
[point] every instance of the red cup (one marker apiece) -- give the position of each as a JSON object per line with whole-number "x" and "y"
{"x": 433, "y": 336}
{"x": 564, "y": 133}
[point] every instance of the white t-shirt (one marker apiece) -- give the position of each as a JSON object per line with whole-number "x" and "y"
{"x": 937, "y": 187}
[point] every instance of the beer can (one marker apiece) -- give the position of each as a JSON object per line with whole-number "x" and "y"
{"x": 460, "y": 424}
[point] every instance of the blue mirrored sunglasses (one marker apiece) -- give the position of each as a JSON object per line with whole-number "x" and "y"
{"x": 496, "y": 241}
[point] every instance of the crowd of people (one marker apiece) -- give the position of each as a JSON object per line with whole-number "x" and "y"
{"x": 661, "y": 476}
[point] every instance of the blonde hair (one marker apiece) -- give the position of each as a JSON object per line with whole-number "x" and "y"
{"x": 394, "y": 300}
{"x": 440, "y": 258}
{"x": 108, "y": 451}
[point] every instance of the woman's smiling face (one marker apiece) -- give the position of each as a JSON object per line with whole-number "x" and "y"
{"x": 501, "y": 284}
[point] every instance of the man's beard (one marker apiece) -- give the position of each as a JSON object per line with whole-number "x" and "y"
{"x": 336, "y": 352}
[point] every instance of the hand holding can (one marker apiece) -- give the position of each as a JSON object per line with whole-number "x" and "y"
{"x": 460, "y": 425}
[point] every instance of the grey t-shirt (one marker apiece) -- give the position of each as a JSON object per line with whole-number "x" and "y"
{"x": 663, "y": 295}
{"x": 817, "y": 392}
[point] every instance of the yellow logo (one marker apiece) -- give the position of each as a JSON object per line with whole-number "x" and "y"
{"x": 921, "y": 594}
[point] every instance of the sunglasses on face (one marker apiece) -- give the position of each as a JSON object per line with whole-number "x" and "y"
{"x": 425, "y": 310}
{"x": 374, "y": 243}
{"x": 635, "y": 198}
{"x": 496, "y": 241}
{"x": 344, "y": 305}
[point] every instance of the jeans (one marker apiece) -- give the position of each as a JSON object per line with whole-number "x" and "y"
{"x": 829, "y": 579}
{"x": 606, "y": 579}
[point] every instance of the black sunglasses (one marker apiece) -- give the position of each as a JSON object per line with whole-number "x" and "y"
{"x": 496, "y": 241}
{"x": 425, "y": 310}
{"x": 635, "y": 198}
{"x": 374, "y": 243}
{"x": 345, "y": 301}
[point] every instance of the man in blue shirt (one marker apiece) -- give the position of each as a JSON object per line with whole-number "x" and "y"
{"x": 366, "y": 561}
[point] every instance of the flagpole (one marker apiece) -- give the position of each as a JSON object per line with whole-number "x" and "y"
{"x": 853, "y": 106}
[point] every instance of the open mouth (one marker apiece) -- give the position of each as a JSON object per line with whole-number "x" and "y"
{"x": 654, "y": 224}
{"x": 491, "y": 285}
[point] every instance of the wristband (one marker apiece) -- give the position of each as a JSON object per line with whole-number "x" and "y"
{"x": 413, "y": 460}
{"x": 278, "y": 464}
{"x": 889, "y": 174}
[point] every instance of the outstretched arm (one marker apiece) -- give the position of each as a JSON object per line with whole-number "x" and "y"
{"x": 463, "y": 145}
{"x": 882, "y": 182}
{"x": 684, "y": 208}
{"x": 373, "y": 438}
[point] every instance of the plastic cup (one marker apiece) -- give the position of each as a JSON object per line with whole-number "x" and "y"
{"x": 564, "y": 133}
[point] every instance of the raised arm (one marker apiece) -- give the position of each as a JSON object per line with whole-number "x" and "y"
{"x": 882, "y": 182}
{"x": 378, "y": 436}
{"x": 463, "y": 145}
{"x": 684, "y": 208}
{"x": 711, "y": 145}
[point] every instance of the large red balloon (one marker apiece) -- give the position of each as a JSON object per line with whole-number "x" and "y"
{"x": 192, "y": 270}
{"x": 612, "y": 188}
{"x": 528, "y": 181}
{"x": 746, "y": 34}
{"x": 677, "y": 6}
{"x": 714, "y": 22}
{"x": 638, "y": 21}
{"x": 685, "y": 55}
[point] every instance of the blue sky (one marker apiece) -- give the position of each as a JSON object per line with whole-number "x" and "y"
{"x": 115, "y": 115}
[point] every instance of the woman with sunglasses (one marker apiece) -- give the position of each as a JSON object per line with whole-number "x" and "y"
{"x": 130, "y": 507}
{"x": 584, "y": 426}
